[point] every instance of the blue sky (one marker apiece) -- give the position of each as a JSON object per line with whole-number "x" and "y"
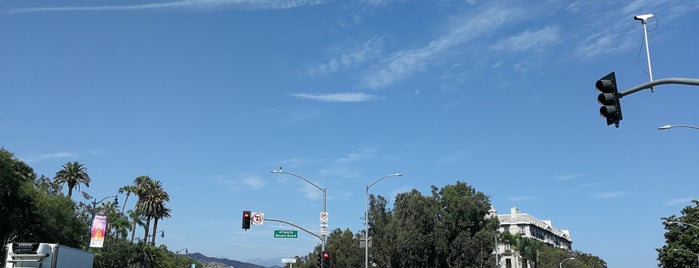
{"x": 208, "y": 96}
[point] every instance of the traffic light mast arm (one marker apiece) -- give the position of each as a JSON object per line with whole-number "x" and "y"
{"x": 292, "y": 224}
{"x": 683, "y": 81}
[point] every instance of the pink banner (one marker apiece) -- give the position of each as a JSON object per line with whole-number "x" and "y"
{"x": 99, "y": 225}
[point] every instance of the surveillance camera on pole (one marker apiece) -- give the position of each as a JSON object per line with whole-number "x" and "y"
{"x": 644, "y": 18}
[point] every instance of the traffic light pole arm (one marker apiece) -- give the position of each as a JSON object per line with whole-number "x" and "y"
{"x": 683, "y": 81}
{"x": 301, "y": 228}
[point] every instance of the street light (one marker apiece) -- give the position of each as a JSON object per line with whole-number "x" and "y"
{"x": 560, "y": 265}
{"x": 94, "y": 212}
{"x": 95, "y": 202}
{"x": 666, "y": 127}
{"x": 684, "y": 250}
{"x": 322, "y": 189}
{"x": 682, "y": 223}
{"x": 366, "y": 218}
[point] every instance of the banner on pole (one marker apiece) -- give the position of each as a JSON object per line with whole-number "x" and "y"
{"x": 99, "y": 226}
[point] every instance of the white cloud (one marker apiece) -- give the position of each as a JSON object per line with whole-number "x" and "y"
{"x": 311, "y": 192}
{"x": 368, "y": 50}
{"x": 567, "y": 177}
{"x": 679, "y": 201}
{"x": 530, "y": 40}
{"x": 254, "y": 182}
{"x": 58, "y": 155}
{"x": 455, "y": 157}
{"x": 609, "y": 195}
{"x": 191, "y": 4}
{"x": 522, "y": 198}
{"x": 365, "y": 153}
{"x": 403, "y": 63}
{"x": 338, "y": 97}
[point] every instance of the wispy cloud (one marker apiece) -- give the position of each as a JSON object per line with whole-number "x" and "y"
{"x": 254, "y": 182}
{"x": 364, "y": 153}
{"x": 567, "y": 177}
{"x": 338, "y": 97}
{"x": 530, "y": 40}
{"x": 678, "y": 201}
{"x": 404, "y": 63}
{"x": 455, "y": 157}
{"x": 187, "y": 4}
{"x": 609, "y": 195}
{"x": 48, "y": 156}
{"x": 368, "y": 50}
{"x": 522, "y": 198}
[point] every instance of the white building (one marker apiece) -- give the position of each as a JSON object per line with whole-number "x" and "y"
{"x": 529, "y": 227}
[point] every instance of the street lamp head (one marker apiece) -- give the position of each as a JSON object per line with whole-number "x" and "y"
{"x": 665, "y": 127}
{"x": 397, "y": 174}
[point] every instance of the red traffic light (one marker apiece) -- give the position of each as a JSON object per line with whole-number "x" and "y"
{"x": 326, "y": 255}
{"x": 246, "y": 219}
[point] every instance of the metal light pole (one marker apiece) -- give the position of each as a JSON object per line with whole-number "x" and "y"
{"x": 94, "y": 213}
{"x": 560, "y": 265}
{"x": 684, "y": 250}
{"x": 322, "y": 189}
{"x": 666, "y": 127}
{"x": 682, "y": 223}
{"x": 366, "y": 218}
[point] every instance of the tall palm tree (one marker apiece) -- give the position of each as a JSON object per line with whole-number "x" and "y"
{"x": 154, "y": 205}
{"x": 136, "y": 220}
{"x": 73, "y": 174}
{"x": 144, "y": 205}
{"x": 128, "y": 189}
{"x": 161, "y": 212}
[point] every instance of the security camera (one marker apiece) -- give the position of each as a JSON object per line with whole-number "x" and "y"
{"x": 643, "y": 18}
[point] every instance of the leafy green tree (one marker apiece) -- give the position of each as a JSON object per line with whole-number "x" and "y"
{"x": 681, "y": 234}
{"x": 344, "y": 249}
{"x": 382, "y": 231}
{"x": 415, "y": 216}
{"x": 73, "y": 174}
{"x": 466, "y": 234}
{"x": 54, "y": 220}
{"x": 16, "y": 200}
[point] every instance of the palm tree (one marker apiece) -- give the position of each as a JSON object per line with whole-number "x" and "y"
{"x": 161, "y": 212}
{"x": 128, "y": 189}
{"x": 155, "y": 205}
{"x": 136, "y": 220}
{"x": 73, "y": 174}
{"x": 144, "y": 205}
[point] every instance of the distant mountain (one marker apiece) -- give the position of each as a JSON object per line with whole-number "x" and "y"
{"x": 211, "y": 262}
{"x": 269, "y": 263}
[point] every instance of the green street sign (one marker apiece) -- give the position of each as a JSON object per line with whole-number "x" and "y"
{"x": 286, "y": 234}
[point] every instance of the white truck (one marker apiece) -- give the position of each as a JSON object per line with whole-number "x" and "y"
{"x": 46, "y": 255}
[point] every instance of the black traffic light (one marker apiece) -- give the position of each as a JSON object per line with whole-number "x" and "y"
{"x": 318, "y": 260}
{"x": 609, "y": 98}
{"x": 326, "y": 259}
{"x": 246, "y": 220}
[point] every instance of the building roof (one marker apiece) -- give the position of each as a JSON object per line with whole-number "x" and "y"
{"x": 523, "y": 218}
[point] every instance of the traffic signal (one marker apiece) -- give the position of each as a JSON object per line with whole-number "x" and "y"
{"x": 246, "y": 220}
{"x": 326, "y": 259}
{"x": 609, "y": 98}
{"x": 318, "y": 261}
